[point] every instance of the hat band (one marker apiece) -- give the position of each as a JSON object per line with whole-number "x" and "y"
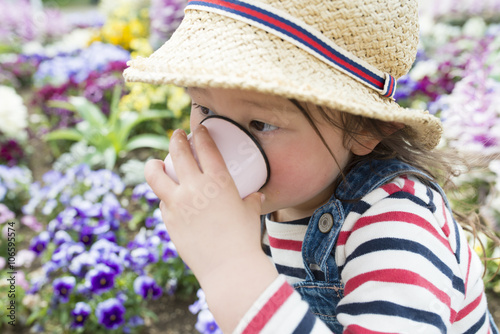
{"x": 302, "y": 35}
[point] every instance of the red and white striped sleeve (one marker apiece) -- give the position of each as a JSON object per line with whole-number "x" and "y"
{"x": 280, "y": 309}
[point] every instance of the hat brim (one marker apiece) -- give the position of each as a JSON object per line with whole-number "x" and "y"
{"x": 209, "y": 50}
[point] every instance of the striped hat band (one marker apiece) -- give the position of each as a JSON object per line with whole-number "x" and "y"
{"x": 302, "y": 35}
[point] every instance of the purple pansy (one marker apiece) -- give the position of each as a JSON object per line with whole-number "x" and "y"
{"x": 63, "y": 287}
{"x": 146, "y": 286}
{"x": 200, "y": 304}
{"x": 133, "y": 322}
{"x": 110, "y": 313}
{"x": 86, "y": 235}
{"x": 100, "y": 279}
{"x": 169, "y": 251}
{"x": 141, "y": 257}
{"x": 80, "y": 314}
{"x": 61, "y": 237}
{"x": 143, "y": 190}
{"x": 161, "y": 231}
{"x": 113, "y": 261}
{"x": 82, "y": 263}
{"x": 206, "y": 323}
{"x": 39, "y": 243}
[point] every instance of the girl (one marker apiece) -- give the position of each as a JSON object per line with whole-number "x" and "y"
{"x": 351, "y": 233}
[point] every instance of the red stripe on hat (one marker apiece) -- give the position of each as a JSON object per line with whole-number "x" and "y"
{"x": 297, "y": 33}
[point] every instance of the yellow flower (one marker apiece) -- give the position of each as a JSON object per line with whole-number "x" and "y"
{"x": 116, "y": 32}
{"x": 127, "y": 22}
{"x": 137, "y": 28}
{"x": 140, "y": 47}
{"x": 178, "y": 100}
{"x": 141, "y": 103}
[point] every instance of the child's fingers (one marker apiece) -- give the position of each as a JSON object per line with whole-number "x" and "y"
{"x": 183, "y": 160}
{"x": 209, "y": 156}
{"x": 158, "y": 180}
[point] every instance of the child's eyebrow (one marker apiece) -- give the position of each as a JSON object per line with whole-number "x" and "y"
{"x": 196, "y": 90}
{"x": 266, "y": 105}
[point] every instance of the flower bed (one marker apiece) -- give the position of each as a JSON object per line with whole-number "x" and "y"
{"x": 91, "y": 251}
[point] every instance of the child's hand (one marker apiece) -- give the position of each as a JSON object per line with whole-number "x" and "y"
{"x": 210, "y": 225}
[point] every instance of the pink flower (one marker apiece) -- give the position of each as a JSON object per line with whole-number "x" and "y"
{"x": 21, "y": 280}
{"x": 32, "y": 223}
{"x": 5, "y": 214}
{"x": 24, "y": 258}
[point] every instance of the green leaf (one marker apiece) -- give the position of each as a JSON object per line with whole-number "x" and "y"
{"x": 109, "y": 158}
{"x": 61, "y": 105}
{"x": 93, "y": 159}
{"x": 157, "y": 113}
{"x": 124, "y": 125}
{"x": 37, "y": 314}
{"x": 137, "y": 219}
{"x": 150, "y": 314}
{"x": 64, "y": 317}
{"x": 148, "y": 141}
{"x": 115, "y": 100}
{"x": 129, "y": 120}
{"x": 32, "y": 317}
{"x": 64, "y": 134}
{"x": 89, "y": 112}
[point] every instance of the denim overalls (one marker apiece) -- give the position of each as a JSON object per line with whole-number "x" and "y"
{"x": 323, "y": 290}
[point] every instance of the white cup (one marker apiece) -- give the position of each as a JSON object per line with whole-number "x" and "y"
{"x": 244, "y": 157}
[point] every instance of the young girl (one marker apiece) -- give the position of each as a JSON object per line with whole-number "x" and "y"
{"x": 351, "y": 233}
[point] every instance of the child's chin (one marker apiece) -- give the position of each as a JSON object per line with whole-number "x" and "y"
{"x": 267, "y": 208}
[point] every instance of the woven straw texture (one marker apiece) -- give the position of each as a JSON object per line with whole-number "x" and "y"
{"x": 210, "y": 50}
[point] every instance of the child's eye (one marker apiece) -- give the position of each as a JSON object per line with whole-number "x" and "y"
{"x": 204, "y": 110}
{"x": 262, "y": 127}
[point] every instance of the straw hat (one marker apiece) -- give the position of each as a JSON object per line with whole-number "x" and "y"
{"x": 342, "y": 54}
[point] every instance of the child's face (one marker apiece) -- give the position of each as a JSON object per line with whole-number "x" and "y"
{"x": 302, "y": 168}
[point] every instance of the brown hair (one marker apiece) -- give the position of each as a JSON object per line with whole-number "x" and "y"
{"x": 396, "y": 142}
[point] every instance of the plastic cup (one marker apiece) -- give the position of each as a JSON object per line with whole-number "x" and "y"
{"x": 244, "y": 157}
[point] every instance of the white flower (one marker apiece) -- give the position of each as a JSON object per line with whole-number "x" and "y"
{"x": 471, "y": 114}
{"x": 423, "y": 68}
{"x": 474, "y": 27}
{"x": 13, "y": 113}
{"x": 77, "y": 39}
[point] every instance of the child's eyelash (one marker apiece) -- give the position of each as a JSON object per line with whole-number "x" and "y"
{"x": 203, "y": 109}
{"x": 259, "y": 126}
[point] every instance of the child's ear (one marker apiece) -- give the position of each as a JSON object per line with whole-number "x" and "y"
{"x": 365, "y": 142}
{"x": 363, "y": 145}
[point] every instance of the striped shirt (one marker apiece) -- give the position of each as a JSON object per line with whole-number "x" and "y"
{"x": 406, "y": 267}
